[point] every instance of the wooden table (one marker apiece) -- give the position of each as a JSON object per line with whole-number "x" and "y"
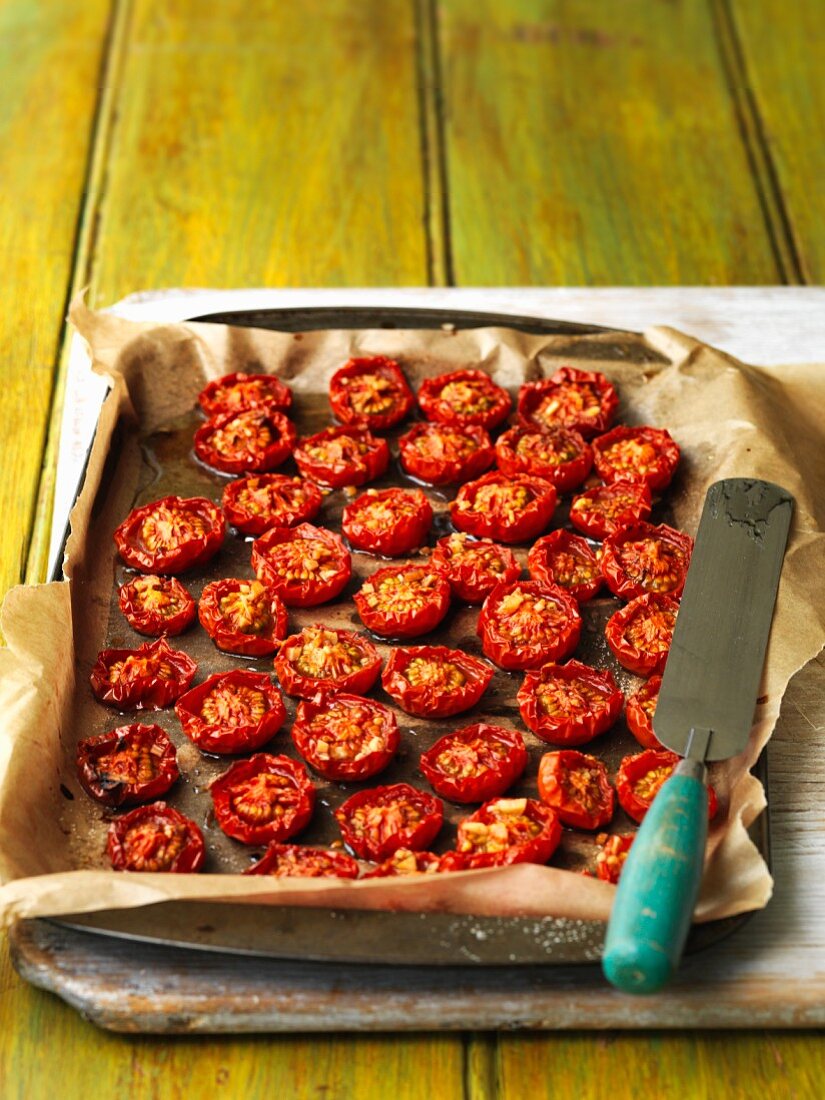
{"x": 330, "y": 143}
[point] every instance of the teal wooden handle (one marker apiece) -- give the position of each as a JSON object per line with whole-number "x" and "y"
{"x": 660, "y": 881}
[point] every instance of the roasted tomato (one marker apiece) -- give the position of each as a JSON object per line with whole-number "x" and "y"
{"x": 155, "y": 838}
{"x": 127, "y": 765}
{"x": 559, "y": 455}
{"x": 391, "y": 522}
{"x": 639, "y": 711}
{"x": 644, "y": 558}
{"x": 238, "y": 392}
{"x": 566, "y": 560}
{"x": 255, "y": 440}
{"x": 263, "y": 799}
{"x": 322, "y": 659}
{"x": 473, "y": 566}
{"x": 377, "y": 822}
{"x": 171, "y": 534}
{"x": 231, "y": 712}
{"x": 156, "y": 605}
{"x": 612, "y": 854}
{"x": 372, "y": 390}
{"x": 475, "y": 763}
{"x": 640, "y": 776}
{"x": 579, "y": 399}
{"x": 147, "y": 678}
{"x": 636, "y": 454}
{"x": 242, "y": 617}
{"x": 526, "y": 624}
{"x": 403, "y": 601}
{"x": 509, "y": 509}
{"x": 464, "y": 397}
{"x": 508, "y": 830}
{"x": 255, "y": 503}
{"x": 432, "y": 681}
{"x": 607, "y": 509}
{"x": 569, "y": 704}
{"x": 640, "y": 633}
{"x": 576, "y": 786}
{"x": 347, "y": 455}
{"x": 298, "y": 861}
{"x": 404, "y": 861}
{"x": 305, "y": 565}
{"x": 445, "y": 454}
{"x": 345, "y": 737}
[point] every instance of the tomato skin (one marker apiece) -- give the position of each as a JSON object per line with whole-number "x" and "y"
{"x": 350, "y": 455}
{"x": 391, "y": 522}
{"x": 445, "y": 454}
{"x": 535, "y": 641}
{"x": 430, "y": 698}
{"x": 310, "y": 727}
{"x": 635, "y": 769}
{"x": 358, "y": 681}
{"x": 260, "y": 824}
{"x": 629, "y": 501}
{"x": 230, "y": 637}
{"x": 549, "y": 556}
{"x": 478, "y": 509}
{"x": 636, "y": 715}
{"x": 404, "y": 861}
{"x": 293, "y": 589}
{"x": 598, "y": 393}
{"x": 464, "y": 397}
{"x": 345, "y": 382}
{"x": 659, "y": 466}
{"x": 156, "y": 605}
{"x": 524, "y": 450}
{"x": 141, "y": 684}
{"x": 299, "y": 861}
{"x": 277, "y": 440}
{"x": 237, "y": 392}
{"x": 490, "y": 778}
{"x": 476, "y": 849}
{"x": 611, "y": 859}
{"x": 414, "y": 608}
{"x": 673, "y": 553}
{"x": 155, "y": 765}
{"x": 201, "y": 537}
{"x": 637, "y": 653}
{"x": 582, "y": 725}
{"x": 377, "y": 843}
{"x": 247, "y": 730}
{"x": 125, "y": 849}
{"x": 473, "y": 566}
{"x": 572, "y": 806}
{"x": 255, "y": 503}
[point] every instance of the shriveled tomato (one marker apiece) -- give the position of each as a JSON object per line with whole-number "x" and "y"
{"x": 559, "y": 455}
{"x": 391, "y": 522}
{"x": 569, "y": 704}
{"x": 606, "y": 509}
{"x": 403, "y": 601}
{"x": 579, "y": 399}
{"x": 640, "y": 778}
{"x": 646, "y": 558}
{"x": 299, "y": 861}
{"x": 404, "y": 861}
{"x": 257, "y": 502}
{"x": 433, "y": 681}
{"x": 566, "y": 560}
{"x": 127, "y": 765}
{"x": 156, "y": 605}
{"x": 171, "y": 534}
{"x": 305, "y": 565}
{"x": 346, "y": 455}
{"x": 639, "y": 711}
{"x": 149, "y": 677}
{"x": 242, "y": 616}
{"x": 371, "y": 389}
{"x": 323, "y": 659}
{"x": 509, "y": 509}
{"x": 255, "y": 440}
{"x": 526, "y": 624}
{"x": 610, "y": 859}
{"x": 237, "y": 392}
{"x": 345, "y": 737}
{"x": 576, "y": 786}
{"x": 637, "y": 454}
{"x": 155, "y": 838}
{"x": 508, "y": 830}
{"x": 377, "y": 822}
{"x": 445, "y": 454}
{"x": 640, "y": 633}
{"x": 464, "y": 397}
{"x": 473, "y": 566}
{"x": 475, "y": 763}
{"x": 263, "y": 799}
{"x": 231, "y": 712}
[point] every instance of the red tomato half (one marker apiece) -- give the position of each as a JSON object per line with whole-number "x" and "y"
{"x": 305, "y": 565}
{"x": 255, "y": 503}
{"x": 559, "y": 455}
{"x": 432, "y": 681}
{"x": 473, "y": 566}
{"x": 377, "y": 822}
{"x": 234, "y": 393}
{"x": 171, "y": 534}
{"x": 404, "y": 861}
{"x": 391, "y": 522}
{"x": 644, "y": 558}
{"x": 576, "y": 786}
{"x": 526, "y": 624}
{"x": 263, "y": 799}
{"x": 298, "y": 861}
{"x": 127, "y": 765}
{"x": 345, "y": 737}
{"x": 508, "y": 509}
{"x": 612, "y": 855}
{"x": 231, "y": 712}
{"x": 636, "y": 454}
{"x": 566, "y": 560}
{"x": 149, "y": 677}
{"x": 640, "y": 633}
{"x": 403, "y": 601}
{"x": 640, "y": 778}
{"x": 155, "y": 838}
{"x": 156, "y": 605}
{"x": 475, "y": 763}
{"x": 242, "y": 617}
{"x": 371, "y": 389}
{"x": 579, "y": 399}
{"x": 569, "y": 704}
{"x": 508, "y": 830}
{"x": 445, "y": 454}
{"x": 606, "y": 509}
{"x": 322, "y": 659}
{"x": 347, "y": 455}
{"x": 464, "y": 397}
{"x": 255, "y": 440}
{"x": 639, "y": 711}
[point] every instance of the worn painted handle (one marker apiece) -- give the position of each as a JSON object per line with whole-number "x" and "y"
{"x": 659, "y": 884}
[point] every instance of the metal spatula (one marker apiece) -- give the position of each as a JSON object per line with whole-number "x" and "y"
{"x": 704, "y": 712}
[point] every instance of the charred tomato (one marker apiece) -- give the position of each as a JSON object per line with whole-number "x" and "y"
{"x": 640, "y": 778}
{"x": 610, "y": 859}
{"x": 445, "y": 454}
{"x": 508, "y": 830}
{"x": 579, "y": 399}
{"x": 508, "y": 509}
{"x": 569, "y": 704}
{"x": 244, "y": 617}
{"x": 404, "y": 861}
{"x": 576, "y": 786}
{"x": 305, "y": 565}
{"x": 371, "y": 389}
{"x": 640, "y": 633}
{"x": 347, "y": 455}
{"x": 473, "y": 566}
{"x": 127, "y": 765}
{"x": 149, "y": 677}
{"x": 391, "y": 522}
{"x": 637, "y": 454}
{"x": 403, "y": 601}
{"x": 257, "y": 502}
{"x": 646, "y": 558}
{"x": 345, "y": 737}
{"x": 254, "y": 440}
{"x": 464, "y": 397}
{"x": 559, "y": 455}
{"x": 171, "y": 534}
{"x": 639, "y": 711}
{"x": 525, "y": 624}
{"x": 299, "y": 861}
{"x": 606, "y": 509}
{"x": 263, "y": 799}
{"x": 237, "y": 392}
{"x": 231, "y": 712}
{"x": 566, "y": 560}
{"x": 475, "y": 763}
{"x": 377, "y": 822}
{"x": 156, "y": 605}
{"x": 432, "y": 681}
{"x": 155, "y": 838}
{"x": 323, "y": 659}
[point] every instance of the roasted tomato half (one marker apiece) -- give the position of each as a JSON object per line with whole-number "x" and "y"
{"x": 345, "y": 737}
{"x": 645, "y": 558}
{"x": 155, "y": 838}
{"x": 156, "y": 605}
{"x": 569, "y": 704}
{"x": 579, "y": 399}
{"x": 347, "y": 455}
{"x": 255, "y": 503}
{"x": 526, "y": 624}
{"x": 432, "y": 681}
{"x": 232, "y": 712}
{"x": 566, "y": 560}
{"x": 404, "y": 861}
{"x": 263, "y": 799}
{"x": 149, "y": 677}
{"x": 372, "y": 390}
{"x": 640, "y": 633}
{"x": 298, "y": 861}
{"x": 171, "y": 534}
{"x": 636, "y": 454}
{"x": 559, "y": 455}
{"x": 127, "y": 765}
{"x": 377, "y": 822}
{"x": 464, "y": 397}
{"x": 391, "y": 522}
{"x": 473, "y": 566}
{"x": 508, "y": 830}
{"x": 238, "y": 392}
{"x": 640, "y": 777}
{"x": 322, "y": 659}
{"x": 508, "y": 509}
{"x": 610, "y": 859}
{"x": 255, "y": 440}
{"x": 475, "y": 763}
{"x": 403, "y": 601}
{"x": 305, "y": 565}
{"x": 445, "y": 454}
{"x": 576, "y": 786}
{"x": 243, "y": 617}
{"x": 606, "y": 509}
{"x": 639, "y": 711}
